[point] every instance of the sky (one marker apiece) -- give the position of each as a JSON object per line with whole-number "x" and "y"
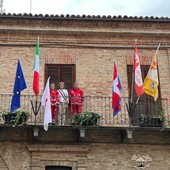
{"x": 90, "y": 7}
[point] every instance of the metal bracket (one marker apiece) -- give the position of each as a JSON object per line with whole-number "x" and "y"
{"x": 129, "y": 133}
{"x": 82, "y": 133}
{"x": 35, "y": 132}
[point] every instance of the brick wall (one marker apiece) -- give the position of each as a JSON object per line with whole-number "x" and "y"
{"x": 94, "y": 67}
{"x": 101, "y": 148}
{"x": 17, "y": 156}
{"x": 89, "y": 45}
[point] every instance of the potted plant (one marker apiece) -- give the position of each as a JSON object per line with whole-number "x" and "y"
{"x": 21, "y": 117}
{"x": 7, "y": 117}
{"x": 155, "y": 120}
{"x": 87, "y": 118}
{"x": 18, "y": 117}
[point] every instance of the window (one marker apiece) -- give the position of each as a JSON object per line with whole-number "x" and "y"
{"x": 58, "y": 168}
{"x": 146, "y": 104}
{"x": 60, "y": 72}
{"x": 144, "y": 71}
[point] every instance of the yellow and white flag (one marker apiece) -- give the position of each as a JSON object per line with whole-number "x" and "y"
{"x": 151, "y": 81}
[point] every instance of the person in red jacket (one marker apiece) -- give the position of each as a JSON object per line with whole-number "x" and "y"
{"x": 54, "y": 96}
{"x": 76, "y": 97}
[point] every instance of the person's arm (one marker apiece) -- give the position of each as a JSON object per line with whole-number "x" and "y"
{"x": 50, "y": 96}
{"x": 82, "y": 96}
{"x": 67, "y": 95}
{"x": 58, "y": 97}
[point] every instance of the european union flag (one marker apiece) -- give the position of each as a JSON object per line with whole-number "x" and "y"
{"x": 19, "y": 85}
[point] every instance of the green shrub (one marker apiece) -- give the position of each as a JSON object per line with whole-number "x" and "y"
{"x": 87, "y": 118}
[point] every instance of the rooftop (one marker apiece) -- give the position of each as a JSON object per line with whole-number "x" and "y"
{"x": 86, "y": 17}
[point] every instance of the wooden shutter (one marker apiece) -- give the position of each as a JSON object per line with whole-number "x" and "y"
{"x": 146, "y": 104}
{"x": 58, "y": 73}
{"x": 144, "y": 71}
{"x": 67, "y": 75}
{"x": 53, "y": 72}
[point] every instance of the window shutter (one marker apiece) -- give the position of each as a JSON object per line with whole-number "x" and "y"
{"x": 60, "y": 72}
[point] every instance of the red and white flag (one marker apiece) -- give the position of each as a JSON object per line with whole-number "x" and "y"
{"x": 137, "y": 73}
{"x": 116, "y": 88}
{"x": 36, "y": 75}
{"x": 46, "y": 102}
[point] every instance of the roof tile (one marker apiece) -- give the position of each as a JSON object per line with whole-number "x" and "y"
{"x": 86, "y": 17}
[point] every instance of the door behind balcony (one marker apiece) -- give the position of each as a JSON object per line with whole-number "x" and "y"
{"x": 146, "y": 104}
{"x": 58, "y": 168}
{"x": 60, "y": 72}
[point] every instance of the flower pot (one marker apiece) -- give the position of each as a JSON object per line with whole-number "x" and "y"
{"x": 22, "y": 120}
{"x": 87, "y": 119}
{"x": 9, "y": 118}
{"x": 151, "y": 122}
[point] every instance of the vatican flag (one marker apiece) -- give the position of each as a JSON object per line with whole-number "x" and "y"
{"x": 151, "y": 81}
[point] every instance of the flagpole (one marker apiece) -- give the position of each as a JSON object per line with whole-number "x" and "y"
{"x": 158, "y": 48}
{"x": 132, "y": 92}
{"x": 131, "y": 100}
{"x": 133, "y": 78}
{"x": 116, "y": 108}
{"x": 19, "y": 85}
{"x": 127, "y": 107}
{"x": 135, "y": 105}
{"x": 32, "y": 106}
{"x": 132, "y": 88}
{"x": 30, "y": 6}
{"x": 149, "y": 90}
{"x": 37, "y": 107}
{"x": 38, "y": 39}
{"x": 36, "y": 101}
{"x": 28, "y": 91}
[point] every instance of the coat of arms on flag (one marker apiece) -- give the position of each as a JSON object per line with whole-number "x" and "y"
{"x": 137, "y": 73}
{"x": 151, "y": 81}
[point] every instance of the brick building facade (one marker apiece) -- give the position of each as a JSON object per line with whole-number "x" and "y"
{"x": 84, "y": 47}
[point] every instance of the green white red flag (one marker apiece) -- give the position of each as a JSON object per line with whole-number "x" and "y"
{"x": 36, "y": 76}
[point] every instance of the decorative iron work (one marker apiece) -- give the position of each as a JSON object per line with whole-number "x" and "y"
{"x": 101, "y": 105}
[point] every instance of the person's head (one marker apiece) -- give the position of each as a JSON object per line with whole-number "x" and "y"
{"x": 61, "y": 85}
{"x": 76, "y": 85}
{"x": 52, "y": 86}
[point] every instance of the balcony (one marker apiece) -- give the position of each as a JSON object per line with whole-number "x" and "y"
{"x": 101, "y": 105}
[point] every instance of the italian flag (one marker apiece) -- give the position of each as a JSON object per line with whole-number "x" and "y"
{"x": 36, "y": 75}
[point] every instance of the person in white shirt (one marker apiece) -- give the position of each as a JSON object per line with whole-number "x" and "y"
{"x": 64, "y": 100}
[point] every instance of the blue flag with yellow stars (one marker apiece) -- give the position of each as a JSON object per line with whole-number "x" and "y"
{"x": 19, "y": 85}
